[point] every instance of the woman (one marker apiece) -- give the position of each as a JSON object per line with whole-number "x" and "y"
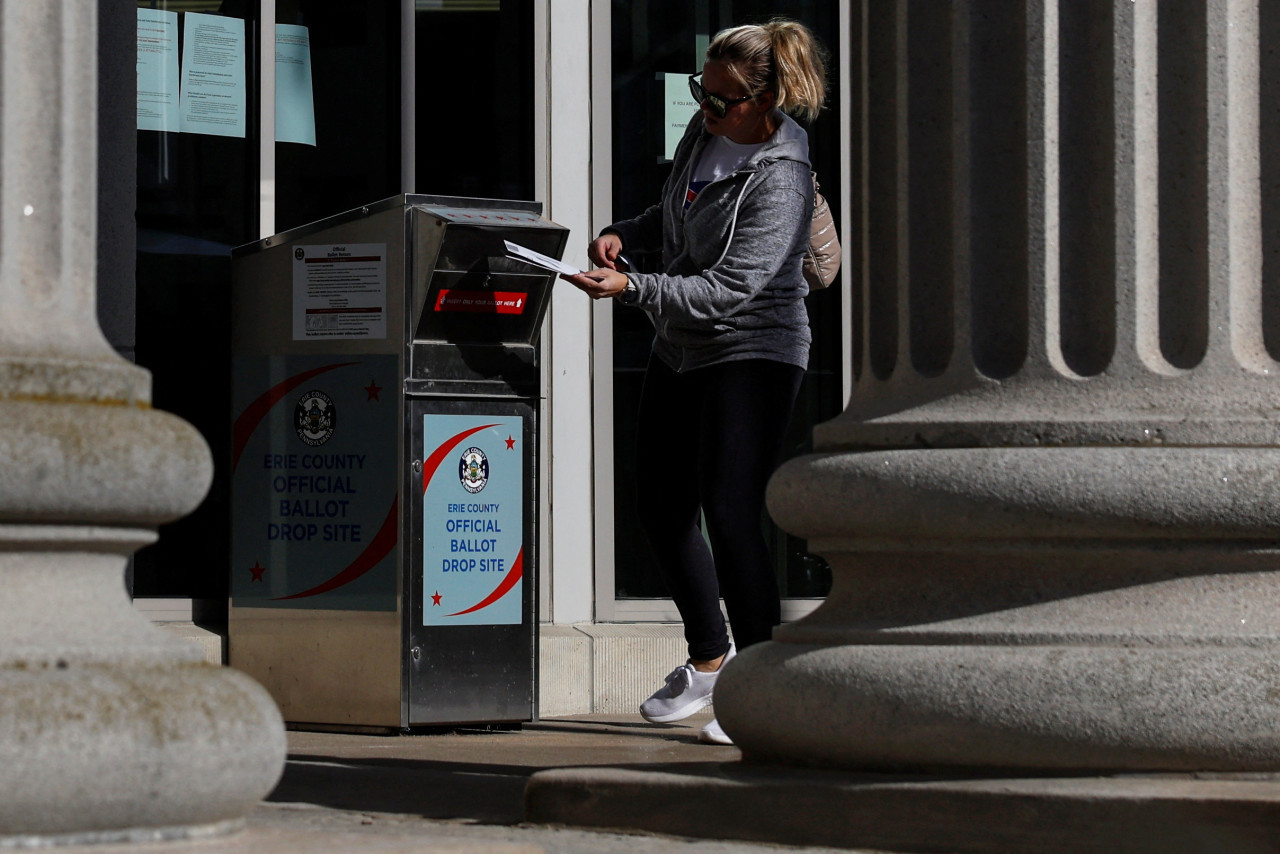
{"x": 732, "y": 340}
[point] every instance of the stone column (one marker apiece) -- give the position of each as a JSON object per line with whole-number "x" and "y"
{"x": 1052, "y": 506}
{"x": 108, "y": 729}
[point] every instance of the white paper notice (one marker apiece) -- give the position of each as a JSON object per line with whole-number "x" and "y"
{"x": 157, "y": 70}
{"x": 537, "y": 259}
{"x": 295, "y": 107}
{"x": 213, "y": 81}
{"x": 678, "y": 108}
{"x": 340, "y": 291}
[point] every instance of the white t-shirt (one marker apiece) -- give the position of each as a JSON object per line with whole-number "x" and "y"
{"x": 719, "y": 159}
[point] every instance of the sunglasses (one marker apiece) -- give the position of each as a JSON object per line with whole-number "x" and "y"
{"x": 719, "y": 106}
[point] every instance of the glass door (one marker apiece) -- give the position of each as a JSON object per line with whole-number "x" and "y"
{"x": 655, "y": 46}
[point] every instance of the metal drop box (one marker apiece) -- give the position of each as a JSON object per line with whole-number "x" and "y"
{"x": 384, "y": 466}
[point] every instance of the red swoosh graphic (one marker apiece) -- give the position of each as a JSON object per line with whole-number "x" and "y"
{"x": 379, "y": 547}
{"x": 437, "y": 456}
{"x": 256, "y": 411}
{"x": 517, "y": 570}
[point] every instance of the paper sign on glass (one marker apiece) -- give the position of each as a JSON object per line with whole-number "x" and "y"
{"x": 213, "y": 79}
{"x": 295, "y": 109}
{"x": 679, "y": 107}
{"x": 157, "y": 70}
{"x": 537, "y": 259}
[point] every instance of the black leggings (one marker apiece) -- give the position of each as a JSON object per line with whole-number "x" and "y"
{"x": 710, "y": 439}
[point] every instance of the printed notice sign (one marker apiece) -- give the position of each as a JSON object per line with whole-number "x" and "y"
{"x": 678, "y": 108}
{"x": 340, "y": 291}
{"x": 213, "y": 80}
{"x": 157, "y": 70}
{"x": 472, "y": 520}
{"x": 295, "y": 109}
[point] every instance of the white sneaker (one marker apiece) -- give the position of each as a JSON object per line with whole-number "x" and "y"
{"x": 686, "y": 692}
{"x": 713, "y": 734}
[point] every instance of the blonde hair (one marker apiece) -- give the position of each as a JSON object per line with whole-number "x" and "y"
{"x": 782, "y": 57}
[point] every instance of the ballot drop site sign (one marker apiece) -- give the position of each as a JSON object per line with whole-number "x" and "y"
{"x": 315, "y": 482}
{"x": 472, "y": 520}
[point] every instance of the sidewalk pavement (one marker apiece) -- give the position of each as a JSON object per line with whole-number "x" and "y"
{"x": 461, "y": 791}
{"x": 474, "y": 790}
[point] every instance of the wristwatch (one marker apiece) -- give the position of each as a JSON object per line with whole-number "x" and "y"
{"x": 629, "y": 294}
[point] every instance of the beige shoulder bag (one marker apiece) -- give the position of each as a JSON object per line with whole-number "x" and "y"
{"x": 822, "y": 258}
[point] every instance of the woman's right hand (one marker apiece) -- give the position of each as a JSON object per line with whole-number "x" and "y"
{"x": 604, "y": 251}
{"x": 598, "y": 284}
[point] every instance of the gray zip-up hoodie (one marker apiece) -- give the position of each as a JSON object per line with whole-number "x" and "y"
{"x": 731, "y": 287}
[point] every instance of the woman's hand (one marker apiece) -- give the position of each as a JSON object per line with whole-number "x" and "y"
{"x": 598, "y": 284}
{"x": 604, "y": 251}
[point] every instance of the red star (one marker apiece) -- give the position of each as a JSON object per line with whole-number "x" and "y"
{"x": 435, "y": 598}
{"x": 257, "y": 571}
{"x": 372, "y": 390}
{"x": 511, "y": 444}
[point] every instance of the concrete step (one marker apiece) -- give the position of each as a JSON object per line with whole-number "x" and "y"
{"x": 1167, "y": 814}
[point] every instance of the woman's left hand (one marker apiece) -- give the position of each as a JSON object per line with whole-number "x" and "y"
{"x": 598, "y": 284}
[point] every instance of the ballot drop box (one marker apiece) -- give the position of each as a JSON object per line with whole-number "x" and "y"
{"x": 383, "y": 467}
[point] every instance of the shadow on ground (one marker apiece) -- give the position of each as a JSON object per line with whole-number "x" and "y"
{"x": 475, "y": 775}
{"x": 488, "y": 794}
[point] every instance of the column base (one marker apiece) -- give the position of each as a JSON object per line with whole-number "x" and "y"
{"x": 1072, "y": 610}
{"x": 113, "y": 751}
{"x": 109, "y": 728}
{"x": 1020, "y": 708}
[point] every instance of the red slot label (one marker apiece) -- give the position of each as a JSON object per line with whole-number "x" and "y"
{"x": 487, "y": 302}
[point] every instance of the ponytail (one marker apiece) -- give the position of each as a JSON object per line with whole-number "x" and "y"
{"x": 782, "y": 57}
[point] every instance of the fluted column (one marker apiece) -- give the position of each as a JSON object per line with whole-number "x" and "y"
{"x": 1052, "y": 506}
{"x": 108, "y": 729}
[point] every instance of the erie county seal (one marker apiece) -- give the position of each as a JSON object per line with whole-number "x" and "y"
{"x": 315, "y": 418}
{"x": 473, "y": 470}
